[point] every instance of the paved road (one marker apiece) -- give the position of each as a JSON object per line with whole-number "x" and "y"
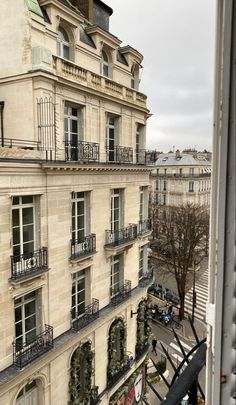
{"x": 168, "y": 340}
{"x": 201, "y": 288}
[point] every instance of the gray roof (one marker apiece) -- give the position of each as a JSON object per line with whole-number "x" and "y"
{"x": 185, "y": 159}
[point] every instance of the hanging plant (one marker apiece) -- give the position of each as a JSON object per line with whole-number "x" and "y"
{"x": 117, "y": 357}
{"x": 143, "y": 327}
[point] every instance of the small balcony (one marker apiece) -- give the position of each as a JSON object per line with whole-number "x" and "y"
{"x": 29, "y": 352}
{"x": 120, "y": 155}
{"x": 145, "y": 279}
{"x": 121, "y": 236}
{"x": 144, "y": 226}
{"x": 121, "y": 293}
{"x": 81, "y": 151}
{"x": 112, "y": 380}
{"x": 145, "y": 157}
{"x": 87, "y": 315}
{"x": 82, "y": 248}
{"x": 28, "y": 265}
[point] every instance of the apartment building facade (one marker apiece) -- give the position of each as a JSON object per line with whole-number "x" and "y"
{"x": 181, "y": 178}
{"x": 74, "y": 208}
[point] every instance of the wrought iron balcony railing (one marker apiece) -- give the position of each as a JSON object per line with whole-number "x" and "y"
{"x": 82, "y": 151}
{"x": 29, "y": 352}
{"x": 114, "y": 378}
{"x": 144, "y": 226}
{"x": 120, "y": 293}
{"x": 145, "y": 157}
{"x": 83, "y": 248}
{"x": 182, "y": 175}
{"x": 120, "y": 154}
{"x": 87, "y": 315}
{"x": 121, "y": 236}
{"x": 26, "y": 265}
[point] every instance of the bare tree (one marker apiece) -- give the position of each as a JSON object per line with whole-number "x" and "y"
{"x": 183, "y": 234}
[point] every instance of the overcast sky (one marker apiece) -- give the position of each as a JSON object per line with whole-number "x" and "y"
{"x": 176, "y": 38}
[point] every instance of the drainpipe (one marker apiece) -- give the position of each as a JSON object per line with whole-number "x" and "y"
{"x": 1, "y": 119}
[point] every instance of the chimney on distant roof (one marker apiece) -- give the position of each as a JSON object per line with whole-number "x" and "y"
{"x": 177, "y": 154}
{"x": 86, "y": 8}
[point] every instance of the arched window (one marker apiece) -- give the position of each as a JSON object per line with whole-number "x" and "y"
{"x": 135, "y": 77}
{"x": 63, "y": 44}
{"x": 117, "y": 356}
{"x": 105, "y": 64}
{"x": 28, "y": 395}
{"x": 81, "y": 390}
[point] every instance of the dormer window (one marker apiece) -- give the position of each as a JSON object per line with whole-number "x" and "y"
{"x": 135, "y": 77}
{"x": 105, "y": 64}
{"x": 63, "y": 44}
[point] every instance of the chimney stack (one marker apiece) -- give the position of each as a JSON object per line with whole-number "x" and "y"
{"x": 86, "y": 8}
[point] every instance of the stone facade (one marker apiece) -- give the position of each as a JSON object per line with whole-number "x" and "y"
{"x": 73, "y": 198}
{"x": 181, "y": 178}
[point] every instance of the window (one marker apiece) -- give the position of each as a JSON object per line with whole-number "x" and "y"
{"x": 78, "y": 294}
{"x": 191, "y": 186}
{"x": 116, "y": 210}
{"x": 141, "y": 262}
{"x": 143, "y": 204}
{"x": 63, "y": 44}
{"x": 191, "y": 171}
{"x": 164, "y": 199}
{"x": 180, "y": 172}
{"x": 157, "y": 185}
{"x": 165, "y": 172}
{"x": 135, "y": 77}
{"x": 111, "y": 137}
{"x": 73, "y": 130}
{"x": 105, "y": 64}
{"x": 80, "y": 216}
{"x": 116, "y": 273}
{"x": 164, "y": 185}
{"x": 27, "y": 322}
{"x": 139, "y": 142}
{"x": 23, "y": 226}
{"x": 28, "y": 395}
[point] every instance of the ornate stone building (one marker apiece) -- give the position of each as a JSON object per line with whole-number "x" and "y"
{"x": 180, "y": 178}
{"x": 74, "y": 207}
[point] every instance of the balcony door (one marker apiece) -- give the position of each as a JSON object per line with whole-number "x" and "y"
{"x": 72, "y": 131}
{"x": 23, "y": 227}
{"x": 111, "y": 138}
{"x": 116, "y": 210}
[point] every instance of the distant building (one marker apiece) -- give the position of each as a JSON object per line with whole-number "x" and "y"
{"x": 180, "y": 178}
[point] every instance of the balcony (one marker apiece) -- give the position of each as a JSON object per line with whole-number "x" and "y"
{"x": 145, "y": 279}
{"x": 121, "y": 293}
{"x": 145, "y": 157}
{"x": 29, "y": 264}
{"x": 86, "y": 247}
{"x": 86, "y": 316}
{"x": 112, "y": 380}
{"x": 84, "y": 152}
{"x": 121, "y": 237}
{"x": 120, "y": 154}
{"x": 77, "y": 74}
{"x": 144, "y": 226}
{"x": 29, "y": 352}
{"x": 183, "y": 175}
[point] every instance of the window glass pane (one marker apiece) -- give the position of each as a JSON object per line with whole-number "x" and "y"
{"x": 15, "y": 217}
{"x": 105, "y": 70}
{"x": 16, "y": 236}
{"x": 18, "y": 329}
{"x": 81, "y": 222}
{"x": 74, "y": 112}
{"x": 30, "y": 336}
{"x": 30, "y": 323}
{"x": 27, "y": 199}
{"x": 29, "y": 387}
{"x": 28, "y": 248}
{"x": 80, "y": 207}
{"x": 15, "y": 200}
{"x": 30, "y": 308}
{"x": 27, "y": 215}
{"x": 28, "y": 233}
{"x": 18, "y": 314}
{"x": 74, "y": 126}
{"x": 30, "y": 295}
{"x": 19, "y": 343}
{"x": 66, "y": 52}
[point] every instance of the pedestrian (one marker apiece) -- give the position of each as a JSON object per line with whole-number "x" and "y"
{"x": 154, "y": 345}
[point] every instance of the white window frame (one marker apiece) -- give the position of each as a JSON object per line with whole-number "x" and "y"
{"x": 28, "y": 395}
{"x": 143, "y": 203}
{"x": 116, "y": 199}
{"x": 20, "y": 305}
{"x": 75, "y": 291}
{"x": 191, "y": 187}
{"x": 105, "y": 65}
{"x": 63, "y": 44}
{"x": 77, "y": 199}
{"x": 116, "y": 270}
{"x": 20, "y": 207}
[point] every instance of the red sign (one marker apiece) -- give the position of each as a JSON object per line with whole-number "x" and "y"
{"x": 131, "y": 397}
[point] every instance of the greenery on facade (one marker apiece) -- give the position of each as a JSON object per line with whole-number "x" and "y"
{"x": 117, "y": 357}
{"x": 143, "y": 327}
{"x": 80, "y": 386}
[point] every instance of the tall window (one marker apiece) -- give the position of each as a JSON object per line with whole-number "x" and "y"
{"x": 191, "y": 171}
{"x": 28, "y": 395}
{"x": 105, "y": 64}
{"x": 72, "y": 130}
{"x": 27, "y": 320}
{"x": 80, "y": 216}
{"x": 191, "y": 186}
{"x": 116, "y": 209}
{"x": 63, "y": 44}
{"x": 78, "y": 294}
{"x": 139, "y": 142}
{"x": 23, "y": 226}
{"x": 111, "y": 137}
{"x": 164, "y": 185}
{"x": 135, "y": 77}
{"x": 143, "y": 204}
{"x": 116, "y": 273}
{"x": 141, "y": 262}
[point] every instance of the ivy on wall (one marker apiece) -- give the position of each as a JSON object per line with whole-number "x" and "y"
{"x": 81, "y": 390}
{"x": 143, "y": 326}
{"x": 117, "y": 357}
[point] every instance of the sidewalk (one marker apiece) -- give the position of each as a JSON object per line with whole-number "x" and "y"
{"x": 185, "y": 329}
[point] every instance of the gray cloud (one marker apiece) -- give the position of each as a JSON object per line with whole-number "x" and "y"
{"x": 177, "y": 41}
